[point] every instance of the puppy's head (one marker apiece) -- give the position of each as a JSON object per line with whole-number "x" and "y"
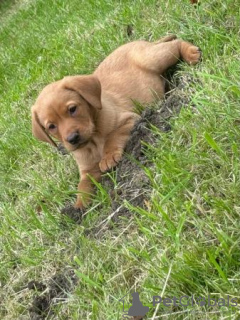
{"x": 66, "y": 110}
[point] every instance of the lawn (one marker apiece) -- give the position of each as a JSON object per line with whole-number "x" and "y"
{"x": 184, "y": 240}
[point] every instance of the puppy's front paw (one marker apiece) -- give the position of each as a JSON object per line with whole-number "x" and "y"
{"x": 193, "y": 55}
{"x": 110, "y": 160}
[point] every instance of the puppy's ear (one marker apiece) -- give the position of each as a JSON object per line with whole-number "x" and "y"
{"x": 88, "y": 87}
{"x": 38, "y": 130}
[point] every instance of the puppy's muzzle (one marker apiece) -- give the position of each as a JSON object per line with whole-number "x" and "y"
{"x": 74, "y": 138}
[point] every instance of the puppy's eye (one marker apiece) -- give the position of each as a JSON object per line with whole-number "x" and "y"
{"x": 72, "y": 109}
{"x": 52, "y": 126}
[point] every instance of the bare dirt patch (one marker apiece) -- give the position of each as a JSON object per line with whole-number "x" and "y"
{"x": 46, "y": 294}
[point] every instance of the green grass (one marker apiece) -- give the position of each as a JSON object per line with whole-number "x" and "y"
{"x": 187, "y": 242}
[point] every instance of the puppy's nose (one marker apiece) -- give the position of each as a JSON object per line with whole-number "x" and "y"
{"x": 73, "y": 138}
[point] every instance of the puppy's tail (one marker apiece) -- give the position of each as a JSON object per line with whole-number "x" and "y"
{"x": 167, "y": 38}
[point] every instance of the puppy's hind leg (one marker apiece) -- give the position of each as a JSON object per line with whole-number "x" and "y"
{"x": 158, "y": 57}
{"x": 190, "y": 53}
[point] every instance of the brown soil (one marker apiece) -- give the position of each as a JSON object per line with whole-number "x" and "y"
{"x": 47, "y": 293}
